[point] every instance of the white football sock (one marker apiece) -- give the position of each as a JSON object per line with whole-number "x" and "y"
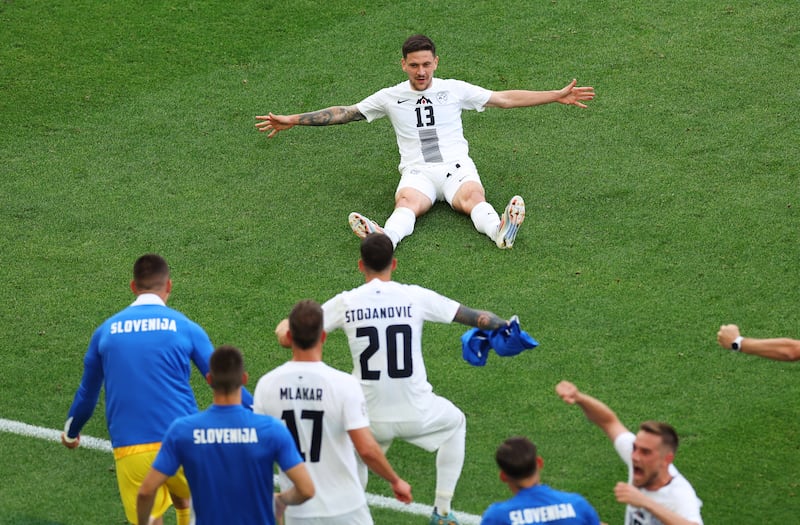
{"x": 400, "y": 224}
{"x": 485, "y": 219}
{"x": 449, "y": 462}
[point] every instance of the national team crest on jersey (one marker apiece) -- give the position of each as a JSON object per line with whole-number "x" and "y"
{"x": 423, "y": 100}
{"x": 441, "y": 97}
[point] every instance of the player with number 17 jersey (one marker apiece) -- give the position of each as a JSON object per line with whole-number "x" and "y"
{"x": 383, "y": 323}
{"x": 319, "y": 405}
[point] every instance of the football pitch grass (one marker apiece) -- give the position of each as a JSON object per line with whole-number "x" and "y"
{"x": 665, "y": 209}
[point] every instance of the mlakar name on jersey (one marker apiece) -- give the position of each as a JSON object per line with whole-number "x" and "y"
{"x": 301, "y": 394}
{"x": 232, "y": 436}
{"x": 387, "y": 312}
{"x": 541, "y": 514}
{"x": 155, "y": 324}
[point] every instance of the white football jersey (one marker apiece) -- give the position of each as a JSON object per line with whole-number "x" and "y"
{"x": 318, "y": 404}
{"x": 427, "y": 123}
{"x": 678, "y": 495}
{"x": 383, "y": 323}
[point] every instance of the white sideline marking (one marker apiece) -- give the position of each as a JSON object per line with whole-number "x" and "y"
{"x": 24, "y": 429}
{"x": 374, "y": 500}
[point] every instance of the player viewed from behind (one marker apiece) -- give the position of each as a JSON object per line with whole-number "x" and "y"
{"x": 326, "y": 413}
{"x": 434, "y": 155}
{"x": 533, "y": 502}
{"x": 383, "y": 322}
{"x": 656, "y": 493}
{"x": 143, "y": 356}
{"x": 776, "y": 348}
{"x": 228, "y": 454}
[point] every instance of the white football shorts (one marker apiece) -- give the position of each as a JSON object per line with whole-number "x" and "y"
{"x": 439, "y": 181}
{"x": 440, "y": 420}
{"x": 359, "y": 516}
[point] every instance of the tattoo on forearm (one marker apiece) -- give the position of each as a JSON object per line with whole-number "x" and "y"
{"x": 479, "y": 318}
{"x": 331, "y": 116}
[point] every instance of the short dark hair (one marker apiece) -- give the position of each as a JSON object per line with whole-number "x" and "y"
{"x": 306, "y": 323}
{"x": 516, "y": 457}
{"x": 227, "y": 368}
{"x": 418, "y": 43}
{"x": 668, "y": 435}
{"x": 150, "y": 272}
{"x": 377, "y": 251}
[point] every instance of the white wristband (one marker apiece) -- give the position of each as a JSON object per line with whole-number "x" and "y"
{"x": 736, "y": 345}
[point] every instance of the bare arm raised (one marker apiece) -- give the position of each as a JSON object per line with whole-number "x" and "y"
{"x": 518, "y": 98}
{"x": 324, "y": 117}
{"x": 595, "y": 410}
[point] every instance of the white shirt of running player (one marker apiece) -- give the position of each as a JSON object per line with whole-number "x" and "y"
{"x": 678, "y": 495}
{"x": 427, "y": 123}
{"x": 318, "y": 404}
{"x": 383, "y": 322}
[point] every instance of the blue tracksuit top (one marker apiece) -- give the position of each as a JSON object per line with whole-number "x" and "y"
{"x": 142, "y": 356}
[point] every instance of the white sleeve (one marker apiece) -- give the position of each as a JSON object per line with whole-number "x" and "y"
{"x": 624, "y": 447}
{"x": 333, "y": 313}
{"x": 472, "y": 97}
{"x": 437, "y": 307}
{"x": 372, "y": 107}
{"x": 688, "y": 504}
{"x": 682, "y": 497}
{"x": 258, "y": 396}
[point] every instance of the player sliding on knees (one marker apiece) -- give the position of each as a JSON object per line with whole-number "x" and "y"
{"x": 434, "y": 155}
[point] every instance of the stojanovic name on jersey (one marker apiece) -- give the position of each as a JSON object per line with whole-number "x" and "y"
{"x": 388, "y": 312}
{"x": 211, "y": 436}
{"x": 541, "y": 514}
{"x": 164, "y": 324}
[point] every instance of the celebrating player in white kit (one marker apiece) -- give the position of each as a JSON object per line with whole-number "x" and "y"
{"x": 434, "y": 155}
{"x": 656, "y": 493}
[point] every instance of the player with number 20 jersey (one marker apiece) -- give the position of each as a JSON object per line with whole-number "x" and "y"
{"x": 383, "y": 323}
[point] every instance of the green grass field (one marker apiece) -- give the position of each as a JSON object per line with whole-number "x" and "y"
{"x": 667, "y": 208}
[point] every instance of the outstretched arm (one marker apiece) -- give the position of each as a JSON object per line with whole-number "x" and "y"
{"x": 595, "y": 410}
{"x": 324, "y": 117}
{"x": 482, "y": 319}
{"x": 518, "y": 98}
{"x": 779, "y": 348}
